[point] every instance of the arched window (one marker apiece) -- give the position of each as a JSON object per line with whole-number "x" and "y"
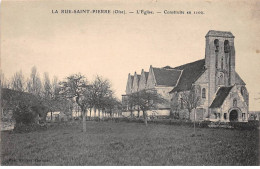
{"x": 216, "y": 43}
{"x": 203, "y": 95}
{"x": 226, "y": 46}
{"x": 235, "y": 103}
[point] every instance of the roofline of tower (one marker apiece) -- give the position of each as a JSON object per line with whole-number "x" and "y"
{"x": 220, "y": 36}
{"x": 214, "y": 33}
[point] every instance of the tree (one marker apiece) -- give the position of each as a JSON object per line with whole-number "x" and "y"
{"x": 18, "y": 82}
{"x": 174, "y": 110}
{"x": 3, "y": 81}
{"x": 27, "y": 107}
{"x": 90, "y": 98}
{"x": 74, "y": 87}
{"x": 101, "y": 90}
{"x": 191, "y": 101}
{"x": 34, "y": 84}
{"x": 147, "y": 99}
{"x": 111, "y": 105}
{"x": 50, "y": 94}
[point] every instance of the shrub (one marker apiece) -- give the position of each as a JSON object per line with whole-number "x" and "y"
{"x": 24, "y": 114}
{"x": 25, "y": 128}
{"x": 250, "y": 125}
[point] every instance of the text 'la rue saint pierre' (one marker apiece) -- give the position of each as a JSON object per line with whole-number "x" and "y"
{"x": 108, "y": 11}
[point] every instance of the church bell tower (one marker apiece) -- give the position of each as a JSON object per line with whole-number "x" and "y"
{"x": 219, "y": 60}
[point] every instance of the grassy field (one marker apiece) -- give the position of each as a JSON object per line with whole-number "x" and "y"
{"x": 109, "y": 143}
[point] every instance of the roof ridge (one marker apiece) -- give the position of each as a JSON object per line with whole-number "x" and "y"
{"x": 191, "y": 72}
{"x": 162, "y": 68}
{"x": 188, "y": 63}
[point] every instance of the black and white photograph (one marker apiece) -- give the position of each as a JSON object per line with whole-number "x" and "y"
{"x": 129, "y": 83}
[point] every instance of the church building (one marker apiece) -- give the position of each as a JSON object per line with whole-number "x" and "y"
{"x": 221, "y": 92}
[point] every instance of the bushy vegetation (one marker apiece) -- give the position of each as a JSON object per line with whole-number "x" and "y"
{"x": 26, "y": 128}
{"x": 250, "y": 125}
{"x": 24, "y": 114}
{"x": 33, "y": 97}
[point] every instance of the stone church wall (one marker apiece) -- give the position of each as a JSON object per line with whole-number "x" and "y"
{"x": 239, "y": 105}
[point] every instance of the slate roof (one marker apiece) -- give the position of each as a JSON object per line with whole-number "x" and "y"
{"x": 166, "y": 77}
{"x": 220, "y": 34}
{"x": 239, "y": 80}
{"x": 190, "y": 73}
{"x": 220, "y": 97}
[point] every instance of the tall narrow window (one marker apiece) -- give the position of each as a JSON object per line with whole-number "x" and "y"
{"x": 221, "y": 79}
{"x": 222, "y": 62}
{"x": 225, "y": 116}
{"x": 235, "y": 103}
{"x": 226, "y": 46}
{"x": 203, "y": 93}
{"x": 244, "y": 116}
{"x": 216, "y": 61}
{"x": 216, "y": 43}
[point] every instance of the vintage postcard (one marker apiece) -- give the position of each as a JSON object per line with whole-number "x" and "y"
{"x": 130, "y": 83}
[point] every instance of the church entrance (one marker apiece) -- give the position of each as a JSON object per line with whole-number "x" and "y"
{"x": 233, "y": 116}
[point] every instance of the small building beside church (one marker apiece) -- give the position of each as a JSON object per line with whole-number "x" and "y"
{"x": 221, "y": 91}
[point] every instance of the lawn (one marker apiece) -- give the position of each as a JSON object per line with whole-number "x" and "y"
{"x": 110, "y": 143}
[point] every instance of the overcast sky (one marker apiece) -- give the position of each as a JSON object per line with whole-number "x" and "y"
{"x": 114, "y": 45}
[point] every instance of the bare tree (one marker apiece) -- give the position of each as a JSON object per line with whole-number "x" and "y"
{"x": 191, "y": 101}
{"x": 18, "y": 82}
{"x": 3, "y": 81}
{"x": 50, "y": 94}
{"x": 147, "y": 100}
{"x": 74, "y": 87}
{"x": 34, "y": 84}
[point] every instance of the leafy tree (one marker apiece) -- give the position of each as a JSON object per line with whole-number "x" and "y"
{"x": 111, "y": 105}
{"x": 90, "y": 98}
{"x": 26, "y": 106}
{"x": 74, "y": 87}
{"x": 101, "y": 89}
{"x": 23, "y": 113}
{"x": 147, "y": 99}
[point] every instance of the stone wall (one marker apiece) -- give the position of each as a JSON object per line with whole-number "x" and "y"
{"x": 241, "y": 106}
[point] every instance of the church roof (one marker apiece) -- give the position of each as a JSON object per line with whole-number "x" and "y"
{"x": 166, "y": 77}
{"x": 220, "y": 96}
{"x": 239, "y": 80}
{"x": 220, "y": 34}
{"x": 190, "y": 73}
